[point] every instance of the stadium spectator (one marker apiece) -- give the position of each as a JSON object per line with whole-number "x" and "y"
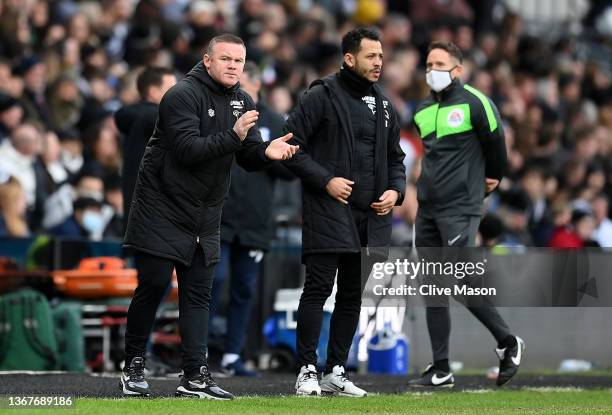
{"x": 17, "y": 157}
{"x": 85, "y": 222}
{"x": 34, "y": 99}
{"x": 13, "y": 207}
{"x": 112, "y": 210}
{"x": 11, "y": 115}
{"x": 137, "y": 121}
{"x": 103, "y": 150}
{"x": 603, "y": 231}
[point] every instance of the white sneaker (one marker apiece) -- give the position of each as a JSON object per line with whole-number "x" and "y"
{"x": 336, "y": 383}
{"x": 307, "y": 382}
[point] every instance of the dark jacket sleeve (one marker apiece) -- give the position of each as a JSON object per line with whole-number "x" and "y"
{"x": 123, "y": 119}
{"x": 181, "y": 116}
{"x": 395, "y": 161}
{"x": 492, "y": 139}
{"x": 252, "y": 153}
{"x": 302, "y": 122}
{"x": 278, "y": 170}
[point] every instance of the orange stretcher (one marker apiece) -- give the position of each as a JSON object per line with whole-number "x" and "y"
{"x": 102, "y": 277}
{"x": 97, "y": 278}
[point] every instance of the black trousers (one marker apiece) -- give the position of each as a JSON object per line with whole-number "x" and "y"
{"x": 456, "y": 231}
{"x": 320, "y": 275}
{"x": 195, "y": 283}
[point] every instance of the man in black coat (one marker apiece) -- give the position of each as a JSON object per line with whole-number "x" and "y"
{"x": 203, "y": 121}
{"x": 352, "y": 172}
{"x": 246, "y": 231}
{"x": 137, "y": 121}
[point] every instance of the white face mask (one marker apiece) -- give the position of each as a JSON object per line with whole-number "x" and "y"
{"x": 438, "y": 80}
{"x": 93, "y": 222}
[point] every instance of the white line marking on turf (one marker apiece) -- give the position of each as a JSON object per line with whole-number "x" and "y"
{"x": 553, "y": 389}
{"x": 478, "y": 390}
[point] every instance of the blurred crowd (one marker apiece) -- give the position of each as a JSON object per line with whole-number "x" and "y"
{"x": 66, "y": 66}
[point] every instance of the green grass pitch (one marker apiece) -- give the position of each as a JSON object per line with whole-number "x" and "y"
{"x": 529, "y": 401}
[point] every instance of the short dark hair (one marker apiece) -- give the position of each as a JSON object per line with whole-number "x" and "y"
{"x": 224, "y": 38}
{"x": 151, "y": 76}
{"x": 351, "y": 42}
{"x": 450, "y": 47}
{"x": 83, "y": 203}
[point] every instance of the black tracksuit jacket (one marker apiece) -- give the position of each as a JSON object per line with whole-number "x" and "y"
{"x": 464, "y": 143}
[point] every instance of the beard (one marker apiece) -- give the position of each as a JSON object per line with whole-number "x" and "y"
{"x": 361, "y": 71}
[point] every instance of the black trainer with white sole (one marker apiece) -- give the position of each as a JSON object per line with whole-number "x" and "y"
{"x": 132, "y": 382}
{"x": 432, "y": 378}
{"x": 509, "y": 361}
{"x": 203, "y": 386}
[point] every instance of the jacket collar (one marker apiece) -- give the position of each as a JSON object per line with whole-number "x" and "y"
{"x": 446, "y": 93}
{"x": 355, "y": 84}
{"x": 200, "y": 73}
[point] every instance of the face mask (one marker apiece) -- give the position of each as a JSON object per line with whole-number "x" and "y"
{"x": 438, "y": 80}
{"x": 92, "y": 222}
{"x": 72, "y": 163}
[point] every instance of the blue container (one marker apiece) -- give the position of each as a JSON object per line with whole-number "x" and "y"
{"x": 388, "y": 353}
{"x": 280, "y": 333}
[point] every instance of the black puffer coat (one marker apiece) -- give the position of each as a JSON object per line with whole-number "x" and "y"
{"x": 321, "y": 126}
{"x": 185, "y": 172}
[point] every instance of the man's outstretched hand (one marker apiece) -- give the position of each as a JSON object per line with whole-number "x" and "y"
{"x": 279, "y": 149}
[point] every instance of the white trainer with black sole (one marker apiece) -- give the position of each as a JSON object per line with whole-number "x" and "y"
{"x": 337, "y": 384}
{"x": 202, "y": 386}
{"x": 307, "y": 383}
{"x": 133, "y": 382}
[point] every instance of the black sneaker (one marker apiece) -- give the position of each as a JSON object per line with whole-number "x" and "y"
{"x": 432, "y": 378}
{"x": 202, "y": 385}
{"x": 132, "y": 382}
{"x": 510, "y": 360}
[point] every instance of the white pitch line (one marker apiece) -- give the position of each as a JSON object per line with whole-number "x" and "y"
{"x": 553, "y": 388}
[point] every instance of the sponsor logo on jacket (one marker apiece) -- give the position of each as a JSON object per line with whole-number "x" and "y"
{"x": 238, "y": 107}
{"x": 370, "y": 102}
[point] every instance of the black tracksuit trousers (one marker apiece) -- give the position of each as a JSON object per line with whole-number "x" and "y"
{"x": 320, "y": 275}
{"x": 195, "y": 283}
{"x": 456, "y": 231}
